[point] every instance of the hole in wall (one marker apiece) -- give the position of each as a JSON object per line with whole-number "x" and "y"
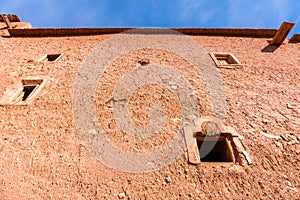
{"x": 29, "y": 87}
{"x": 53, "y": 57}
{"x": 50, "y": 57}
{"x": 215, "y": 144}
{"x": 27, "y": 90}
{"x": 144, "y": 62}
{"x": 213, "y": 149}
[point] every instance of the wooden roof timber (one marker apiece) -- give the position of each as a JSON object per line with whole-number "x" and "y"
{"x": 282, "y": 33}
{"x": 295, "y": 38}
{"x": 62, "y": 32}
{"x": 11, "y": 17}
{"x": 6, "y": 20}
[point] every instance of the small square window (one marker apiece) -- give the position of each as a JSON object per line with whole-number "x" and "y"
{"x": 50, "y": 57}
{"x": 215, "y": 149}
{"x": 29, "y": 89}
{"x": 213, "y": 143}
{"x": 225, "y": 60}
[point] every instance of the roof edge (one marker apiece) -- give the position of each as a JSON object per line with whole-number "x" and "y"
{"x": 64, "y": 32}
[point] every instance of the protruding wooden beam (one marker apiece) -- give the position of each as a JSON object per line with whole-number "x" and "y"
{"x": 282, "y": 33}
{"x": 295, "y": 38}
{"x": 6, "y": 21}
{"x": 11, "y": 17}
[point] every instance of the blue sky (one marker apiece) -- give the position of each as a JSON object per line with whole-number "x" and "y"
{"x": 154, "y": 13}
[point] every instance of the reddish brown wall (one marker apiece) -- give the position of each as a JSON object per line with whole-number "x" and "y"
{"x": 41, "y": 155}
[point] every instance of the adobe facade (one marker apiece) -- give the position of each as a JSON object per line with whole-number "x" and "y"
{"x": 43, "y": 157}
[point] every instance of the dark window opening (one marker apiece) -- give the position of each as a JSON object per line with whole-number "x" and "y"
{"x": 53, "y": 57}
{"x": 215, "y": 150}
{"x": 50, "y": 57}
{"x": 27, "y": 90}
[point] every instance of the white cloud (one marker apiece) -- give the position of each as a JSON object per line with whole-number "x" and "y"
{"x": 200, "y": 12}
{"x": 208, "y": 13}
{"x": 264, "y": 13}
{"x": 188, "y": 8}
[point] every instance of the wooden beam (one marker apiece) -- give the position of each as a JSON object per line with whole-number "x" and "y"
{"x": 11, "y": 17}
{"x": 6, "y": 21}
{"x": 282, "y": 33}
{"x": 295, "y": 38}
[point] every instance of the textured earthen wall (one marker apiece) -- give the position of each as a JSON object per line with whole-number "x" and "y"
{"x": 41, "y": 155}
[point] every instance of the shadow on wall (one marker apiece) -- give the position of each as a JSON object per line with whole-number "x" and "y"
{"x": 270, "y": 48}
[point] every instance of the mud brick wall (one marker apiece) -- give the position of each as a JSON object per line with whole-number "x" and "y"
{"x": 41, "y": 155}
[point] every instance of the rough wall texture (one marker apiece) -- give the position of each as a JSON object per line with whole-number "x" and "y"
{"x": 40, "y": 152}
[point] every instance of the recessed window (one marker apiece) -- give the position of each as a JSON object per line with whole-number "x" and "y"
{"x": 215, "y": 144}
{"x": 50, "y": 57}
{"x": 225, "y": 60}
{"x": 29, "y": 89}
{"x": 215, "y": 149}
